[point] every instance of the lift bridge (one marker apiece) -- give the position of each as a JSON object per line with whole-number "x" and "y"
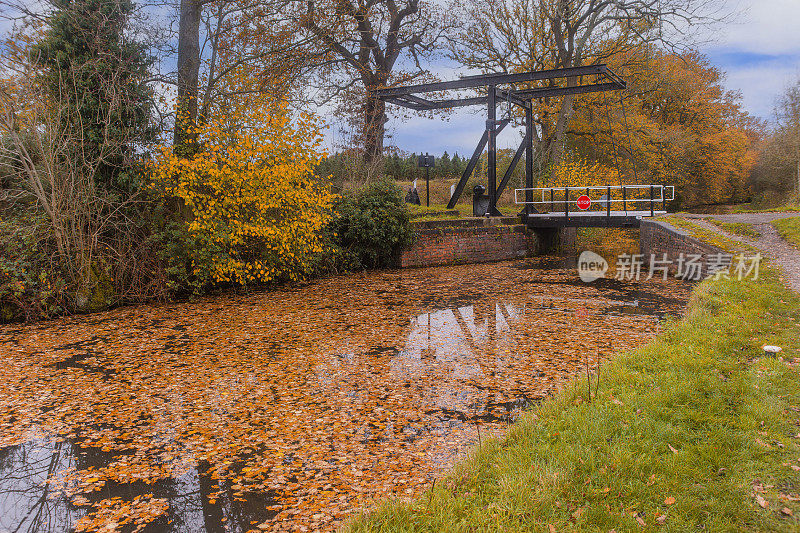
{"x": 544, "y": 207}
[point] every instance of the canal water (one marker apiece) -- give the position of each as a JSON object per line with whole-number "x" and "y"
{"x": 292, "y": 409}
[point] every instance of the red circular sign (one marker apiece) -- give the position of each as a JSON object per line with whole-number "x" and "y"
{"x": 584, "y": 202}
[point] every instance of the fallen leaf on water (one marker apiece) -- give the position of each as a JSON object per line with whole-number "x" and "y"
{"x": 325, "y": 397}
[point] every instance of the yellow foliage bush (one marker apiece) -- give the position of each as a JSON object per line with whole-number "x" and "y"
{"x": 254, "y": 209}
{"x": 578, "y": 172}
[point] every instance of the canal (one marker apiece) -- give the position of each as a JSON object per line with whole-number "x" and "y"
{"x": 290, "y": 409}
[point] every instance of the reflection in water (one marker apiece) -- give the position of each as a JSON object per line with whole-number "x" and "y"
{"x": 295, "y": 407}
{"x": 29, "y": 503}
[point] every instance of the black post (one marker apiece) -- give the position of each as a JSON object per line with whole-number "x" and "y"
{"x": 528, "y": 158}
{"x": 476, "y": 155}
{"x": 492, "y": 156}
{"x": 552, "y": 206}
{"x": 427, "y": 182}
{"x": 608, "y": 201}
{"x": 651, "y": 201}
{"x": 566, "y": 203}
{"x": 624, "y": 200}
{"x": 664, "y": 197}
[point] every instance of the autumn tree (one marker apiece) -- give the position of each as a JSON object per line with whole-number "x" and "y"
{"x": 522, "y": 35}
{"x": 676, "y": 125}
{"x": 367, "y": 44}
{"x": 218, "y": 38}
{"x": 255, "y": 207}
{"x": 776, "y": 175}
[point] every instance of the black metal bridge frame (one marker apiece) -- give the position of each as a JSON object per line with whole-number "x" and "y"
{"x": 604, "y": 80}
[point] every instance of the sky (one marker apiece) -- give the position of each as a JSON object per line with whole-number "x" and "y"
{"x": 759, "y": 51}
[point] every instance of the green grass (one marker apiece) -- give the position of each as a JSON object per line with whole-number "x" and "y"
{"x": 789, "y": 229}
{"x": 698, "y": 415}
{"x": 420, "y": 213}
{"x": 737, "y": 228}
{"x": 790, "y": 207}
{"x": 704, "y": 234}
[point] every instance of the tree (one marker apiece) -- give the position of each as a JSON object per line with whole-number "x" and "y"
{"x": 522, "y": 35}
{"x": 443, "y": 166}
{"x": 258, "y": 36}
{"x": 676, "y": 126}
{"x": 188, "y": 76}
{"x": 788, "y": 126}
{"x": 73, "y": 114}
{"x": 364, "y": 43}
{"x": 256, "y": 207}
{"x": 777, "y": 172}
{"x": 86, "y": 62}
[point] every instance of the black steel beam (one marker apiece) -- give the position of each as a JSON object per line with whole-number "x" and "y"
{"x": 549, "y": 92}
{"x": 529, "y": 159}
{"x": 508, "y": 95}
{"x": 476, "y": 155}
{"x": 510, "y": 170}
{"x": 459, "y": 102}
{"x": 416, "y": 100}
{"x": 405, "y": 103}
{"x": 483, "y": 80}
{"x": 491, "y": 155}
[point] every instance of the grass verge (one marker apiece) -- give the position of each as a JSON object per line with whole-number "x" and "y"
{"x": 789, "y": 207}
{"x": 695, "y": 431}
{"x": 712, "y": 237}
{"x": 737, "y": 228}
{"x": 789, "y": 229}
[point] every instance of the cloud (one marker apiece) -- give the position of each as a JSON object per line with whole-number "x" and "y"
{"x": 760, "y": 53}
{"x": 764, "y": 27}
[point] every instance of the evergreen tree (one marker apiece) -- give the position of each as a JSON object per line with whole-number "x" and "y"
{"x": 458, "y": 165}
{"x": 443, "y": 168}
{"x": 90, "y": 66}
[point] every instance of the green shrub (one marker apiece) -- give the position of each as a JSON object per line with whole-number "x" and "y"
{"x": 371, "y": 227}
{"x": 30, "y": 286}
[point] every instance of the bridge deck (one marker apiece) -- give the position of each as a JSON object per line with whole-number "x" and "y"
{"x": 588, "y": 219}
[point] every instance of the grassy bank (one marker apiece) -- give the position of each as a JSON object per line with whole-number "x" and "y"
{"x": 695, "y": 431}
{"x": 788, "y": 207}
{"x": 789, "y": 229}
{"x": 737, "y": 228}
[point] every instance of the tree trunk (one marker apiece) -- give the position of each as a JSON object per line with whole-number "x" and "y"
{"x": 188, "y": 74}
{"x": 374, "y": 128}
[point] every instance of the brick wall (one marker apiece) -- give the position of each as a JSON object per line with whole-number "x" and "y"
{"x": 468, "y": 242}
{"x": 659, "y": 238}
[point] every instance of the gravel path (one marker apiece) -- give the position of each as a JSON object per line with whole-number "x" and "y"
{"x": 771, "y": 244}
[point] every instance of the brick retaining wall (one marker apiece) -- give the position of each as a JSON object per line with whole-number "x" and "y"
{"x": 468, "y": 242}
{"x": 659, "y": 238}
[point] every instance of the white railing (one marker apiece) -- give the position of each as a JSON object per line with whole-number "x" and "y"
{"x": 625, "y": 195}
